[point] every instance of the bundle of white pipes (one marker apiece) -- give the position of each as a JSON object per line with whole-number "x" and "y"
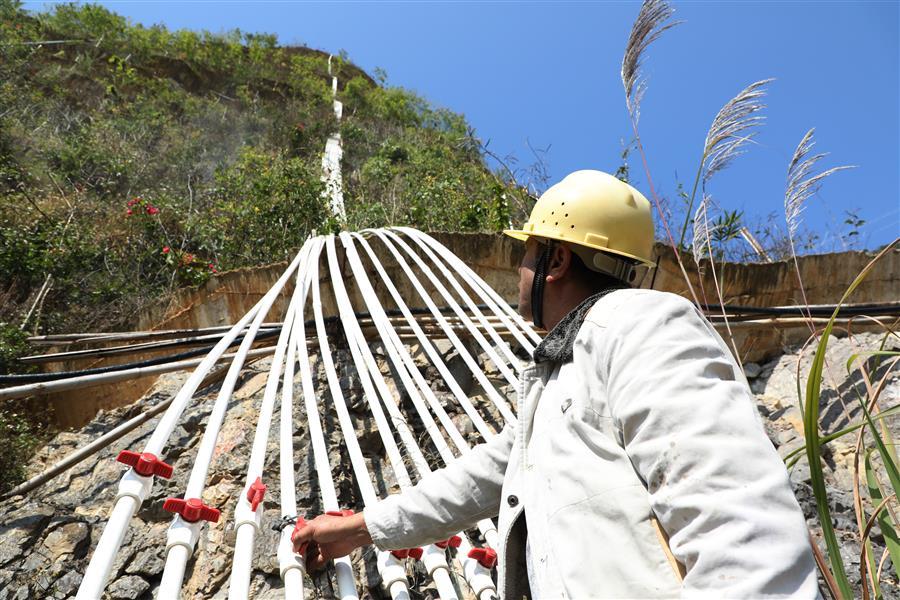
{"x": 387, "y": 374}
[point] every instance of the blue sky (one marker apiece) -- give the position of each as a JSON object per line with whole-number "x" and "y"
{"x": 547, "y": 74}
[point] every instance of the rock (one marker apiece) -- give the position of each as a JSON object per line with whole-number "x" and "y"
{"x": 20, "y": 529}
{"x": 148, "y": 561}
{"x": 70, "y": 539}
{"x": 127, "y": 588}
{"x": 752, "y": 370}
{"x": 67, "y": 585}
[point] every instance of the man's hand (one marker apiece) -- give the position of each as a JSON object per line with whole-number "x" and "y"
{"x": 327, "y": 537}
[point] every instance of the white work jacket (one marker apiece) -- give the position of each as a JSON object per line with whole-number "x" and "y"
{"x": 646, "y": 415}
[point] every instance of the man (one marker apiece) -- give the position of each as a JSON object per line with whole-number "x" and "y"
{"x": 638, "y": 466}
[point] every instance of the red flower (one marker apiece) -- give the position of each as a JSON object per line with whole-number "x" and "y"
{"x": 152, "y": 210}
{"x": 133, "y": 201}
{"x": 129, "y": 212}
{"x": 165, "y": 249}
{"x": 212, "y": 268}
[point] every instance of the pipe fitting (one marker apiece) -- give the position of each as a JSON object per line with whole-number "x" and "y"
{"x": 478, "y": 577}
{"x": 287, "y": 558}
{"x": 244, "y": 514}
{"x": 391, "y": 570}
{"x": 183, "y": 533}
{"x": 134, "y": 485}
{"x": 434, "y": 558}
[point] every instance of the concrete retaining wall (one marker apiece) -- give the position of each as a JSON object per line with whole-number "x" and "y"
{"x": 226, "y": 297}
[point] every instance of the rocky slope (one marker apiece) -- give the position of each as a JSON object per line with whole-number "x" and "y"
{"x": 47, "y": 536}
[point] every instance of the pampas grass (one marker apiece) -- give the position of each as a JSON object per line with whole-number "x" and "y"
{"x": 801, "y": 184}
{"x": 651, "y": 22}
{"x": 733, "y": 128}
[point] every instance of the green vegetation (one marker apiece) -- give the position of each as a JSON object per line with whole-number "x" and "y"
{"x": 134, "y": 160}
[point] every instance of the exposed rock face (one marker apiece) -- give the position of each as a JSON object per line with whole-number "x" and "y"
{"x": 776, "y": 389}
{"x": 46, "y": 538}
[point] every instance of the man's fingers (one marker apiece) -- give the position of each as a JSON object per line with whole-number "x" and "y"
{"x": 315, "y": 561}
{"x": 302, "y": 537}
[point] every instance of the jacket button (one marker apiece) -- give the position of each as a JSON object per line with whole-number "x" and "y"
{"x": 512, "y": 500}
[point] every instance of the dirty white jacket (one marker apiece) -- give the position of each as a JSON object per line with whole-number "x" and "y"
{"x": 639, "y": 412}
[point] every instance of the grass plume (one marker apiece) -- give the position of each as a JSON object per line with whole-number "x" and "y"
{"x": 652, "y": 21}
{"x": 801, "y": 183}
{"x": 733, "y": 127}
{"x": 702, "y": 231}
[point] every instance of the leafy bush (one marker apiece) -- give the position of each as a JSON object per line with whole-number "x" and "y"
{"x": 221, "y": 135}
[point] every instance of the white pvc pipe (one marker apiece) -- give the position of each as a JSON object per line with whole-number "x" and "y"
{"x": 134, "y": 488}
{"x": 511, "y": 377}
{"x": 367, "y": 368}
{"x": 342, "y": 567}
{"x": 499, "y": 344}
{"x": 462, "y": 267}
{"x": 388, "y": 562}
{"x": 290, "y": 564}
{"x": 94, "y": 580}
{"x": 497, "y": 305}
{"x": 495, "y": 396}
{"x": 248, "y": 520}
{"x": 180, "y": 544}
{"x": 434, "y": 558}
{"x": 391, "y": 340}
{"x": 430, "y": 350}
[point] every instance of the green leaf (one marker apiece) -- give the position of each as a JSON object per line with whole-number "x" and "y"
{"x": 811, "y": 431}
{"x": 853, "y": 357}
{"x": 888, "y": 530}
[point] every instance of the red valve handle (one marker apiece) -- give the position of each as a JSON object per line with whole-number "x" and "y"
{"x": 145, "y": 463}
{"x": 256, "y": 493}
{"x": 300, "y": 524}
{"x": 486, "y": 557}
{"x": 192, "y": 509}
{"x": 453, "y": 542}
{"x": 415, "y": 553}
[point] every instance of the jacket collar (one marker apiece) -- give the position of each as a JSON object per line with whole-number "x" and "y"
{"x": 557, "y": 347}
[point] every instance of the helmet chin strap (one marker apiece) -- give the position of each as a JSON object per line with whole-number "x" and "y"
{"x": 537, "y": 286}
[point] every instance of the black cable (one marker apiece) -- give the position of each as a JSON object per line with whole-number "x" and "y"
{"x": 39, "y": 377}
{"x": 537, "y": 286}
{"x": 816, "y": 311}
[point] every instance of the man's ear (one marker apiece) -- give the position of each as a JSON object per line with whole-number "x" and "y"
{"x": 560, "y": 263}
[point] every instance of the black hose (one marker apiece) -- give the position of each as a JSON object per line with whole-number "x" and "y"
{"x": 885, "y": 309}
{"x": 39, "y": 377}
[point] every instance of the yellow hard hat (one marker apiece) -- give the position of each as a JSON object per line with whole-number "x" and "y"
{"x": 604, "y": 219}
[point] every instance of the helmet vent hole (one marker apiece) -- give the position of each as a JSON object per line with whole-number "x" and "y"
{"x": 572, "y": 226}
{"x": 557, "y": 223}
{"x": 567, "y": 214}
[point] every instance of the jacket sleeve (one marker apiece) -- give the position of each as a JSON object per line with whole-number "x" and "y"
{"x": 446, "y": 501}
{"x": 690, "y": 428}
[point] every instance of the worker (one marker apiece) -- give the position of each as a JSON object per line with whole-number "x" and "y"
{"x": 638, "y": 466}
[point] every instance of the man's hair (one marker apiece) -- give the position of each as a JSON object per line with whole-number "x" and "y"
{"x": 595, "y": 281}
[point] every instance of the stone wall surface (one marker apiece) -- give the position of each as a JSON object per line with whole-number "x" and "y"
{"x": 47, "y": 536}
